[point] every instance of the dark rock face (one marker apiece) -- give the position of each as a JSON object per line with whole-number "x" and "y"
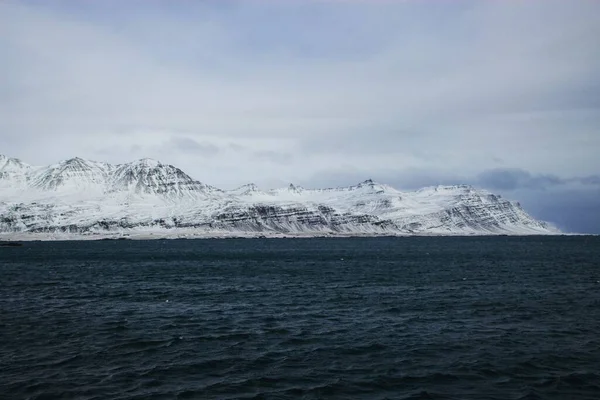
{"x": 295, "y": 219}
{"x": 149, "y": 177}
{"x": 271, "y": 218}
{"x": 74, "y": 171}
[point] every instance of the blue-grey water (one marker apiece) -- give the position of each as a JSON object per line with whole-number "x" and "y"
{"x": 358, "y": 318}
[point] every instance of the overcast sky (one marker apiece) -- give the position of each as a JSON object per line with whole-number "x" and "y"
{"x": 504, "y": 95}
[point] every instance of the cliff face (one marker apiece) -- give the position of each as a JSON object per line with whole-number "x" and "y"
{"x": 85, "y": 197}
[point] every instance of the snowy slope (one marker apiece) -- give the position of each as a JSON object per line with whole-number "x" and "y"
{"x": 88, "y": 198}
{"x": 151, "y": 177}
{"x": 73, "y": 175}
{"x": 13, "y": 174}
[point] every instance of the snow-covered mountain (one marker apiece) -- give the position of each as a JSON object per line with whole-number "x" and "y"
{"x": 13, "y": 173}
{"x": 75, "y": 174}
{"x": 151, "y": 177}
{"x": 83, "y": 198}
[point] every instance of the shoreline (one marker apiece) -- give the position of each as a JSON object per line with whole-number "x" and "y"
{"x": 47, "y": 237}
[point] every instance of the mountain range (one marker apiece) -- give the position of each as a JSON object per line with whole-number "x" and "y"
{"x": 78, "y": 198}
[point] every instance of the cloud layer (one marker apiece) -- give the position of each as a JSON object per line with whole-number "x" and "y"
{"x": 504, "y": 95}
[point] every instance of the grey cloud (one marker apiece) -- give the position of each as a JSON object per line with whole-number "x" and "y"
{"x": 368, "y": 138}
{"x": 420, "y": 98}
{"x": 122, "y": 153}
{"x": 236, "y": 147}
{"x": 136, "y": 148}
{"x": 574, "y": 210}
{"x": 273, "y": 156}
{"x": 187, "y": 145}
{"x": 515, "y": 178}
{"x": 590, "y": 180}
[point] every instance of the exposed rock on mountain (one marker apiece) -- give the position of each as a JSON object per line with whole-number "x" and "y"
{"x": 86, "y": 198}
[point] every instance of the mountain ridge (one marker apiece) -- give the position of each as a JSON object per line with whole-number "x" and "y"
{"x": 85, "y": 198}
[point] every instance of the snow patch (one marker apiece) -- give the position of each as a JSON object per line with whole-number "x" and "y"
{"x": 83, "y": 198}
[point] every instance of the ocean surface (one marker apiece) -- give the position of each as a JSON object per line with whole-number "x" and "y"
{"x": 354, "y": 318}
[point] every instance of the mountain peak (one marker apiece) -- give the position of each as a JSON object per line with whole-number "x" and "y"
{"x": 74, "y": 174}
{"x": 76, "y": 161}
{"x": 8, "y": 163}
{"x": 245, "y": 190}
{"x": 151, "y": 177}
{"x": 368, "y": 182}
{"x": 251, "y": 187}
{"x": 147, "y": 162}
{"x": 13, "y": 172}
{"x": 295, "y": 188}
{"x": 448, "y": 188}
{"x": 460, "y": 186}
{"x": 146, "y": 194}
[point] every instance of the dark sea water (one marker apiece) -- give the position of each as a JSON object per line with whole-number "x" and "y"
{"x": 360, "y": 318}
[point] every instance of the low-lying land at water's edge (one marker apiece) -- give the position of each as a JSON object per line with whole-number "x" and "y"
{"x": 28, "y": 236}
{"x": 147, "y": 199}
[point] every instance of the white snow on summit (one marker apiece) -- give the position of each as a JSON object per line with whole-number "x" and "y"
{"x": 73, "y": 175}
{"x": 88, "y": 198}
{"x": 151, "y": 177}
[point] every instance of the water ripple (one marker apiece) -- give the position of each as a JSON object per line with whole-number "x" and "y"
{"x": 398, "y": 318}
